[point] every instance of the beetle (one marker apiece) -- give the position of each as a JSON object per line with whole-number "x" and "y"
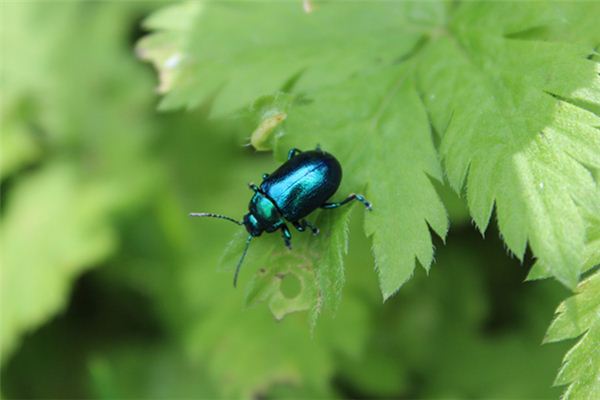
{"x": 299, "y": 186}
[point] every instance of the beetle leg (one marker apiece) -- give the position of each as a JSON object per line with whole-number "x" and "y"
{"x": 313, "y": 229}
{"x": 293, "y": 153}
{"x": 303, "y": 224}
{"x": 287, "y": 236}
{"x": 253, "y": 187}
{"x": 348, "y": 199}
{"x": 299, "y": 226}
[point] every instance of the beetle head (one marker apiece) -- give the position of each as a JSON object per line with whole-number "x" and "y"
{"x": 252, "y": 225}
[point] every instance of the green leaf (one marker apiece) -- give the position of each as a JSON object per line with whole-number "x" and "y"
{"x": 267, "y": 283}
{"x": 389, "y": 114}
{"x": 317, "y": 265}
{"x": 368, "y": 122}
{"x": 511, "y": 89}
{"x": 246, "y": 49}
{"x": 579, "y": 316}
{"x": 505, "y": 129}
{"x": 591, "y": 252}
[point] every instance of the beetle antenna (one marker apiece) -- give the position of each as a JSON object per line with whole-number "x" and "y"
{"x": 239, "y": 264}
{"x": 216, "y": 216}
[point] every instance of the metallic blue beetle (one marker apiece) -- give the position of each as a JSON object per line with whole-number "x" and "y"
{"x": 299, "y": 186}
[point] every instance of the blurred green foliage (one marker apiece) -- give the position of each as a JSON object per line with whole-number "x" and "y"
{"x": 108, "y": 290}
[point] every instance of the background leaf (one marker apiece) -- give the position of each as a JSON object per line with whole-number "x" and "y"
{"x": 70, "y": 164}
{"x": 70, "y": 210}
